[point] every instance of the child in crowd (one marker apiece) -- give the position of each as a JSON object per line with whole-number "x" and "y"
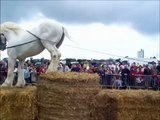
{"x": 117, "y": 82}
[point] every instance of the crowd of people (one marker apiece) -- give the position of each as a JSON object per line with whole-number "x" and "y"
{"x": 121, "y": 75}
{"x": 115, "y": 74}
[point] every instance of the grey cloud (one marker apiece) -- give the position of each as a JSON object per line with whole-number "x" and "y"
{"x": 143, "y": 15}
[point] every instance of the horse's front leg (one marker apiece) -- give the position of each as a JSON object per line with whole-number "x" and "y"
{"x": 20, "y": 82}
{"x": 10, "y": 74}
{"x": 55, "y": 56}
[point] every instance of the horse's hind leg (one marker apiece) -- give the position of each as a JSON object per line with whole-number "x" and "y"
{"x": 10, "y": 74}
{"x": 20, "y": 82}
{"x": 55, "y": 55}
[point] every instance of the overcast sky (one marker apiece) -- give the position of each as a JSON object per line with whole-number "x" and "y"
{"x": 116, "y": 28}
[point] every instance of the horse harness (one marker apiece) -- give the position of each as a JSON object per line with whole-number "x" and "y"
{"x": 3, "y": 40}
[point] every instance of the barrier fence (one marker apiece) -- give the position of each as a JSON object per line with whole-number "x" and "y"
{"x": 130, "y": 81}
{"x": 119, "y": 81}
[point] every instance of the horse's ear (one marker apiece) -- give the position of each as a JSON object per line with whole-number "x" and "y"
{"x": 15, "y": 30}
{"x": 11, "y": 26}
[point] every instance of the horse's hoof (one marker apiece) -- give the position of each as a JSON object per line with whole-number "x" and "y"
{"x": 19, "y": 85}
{"x": 6, "y": 85}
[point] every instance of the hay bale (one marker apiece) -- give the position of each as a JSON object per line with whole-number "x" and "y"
{"x": 126, "y": 105}
{"x": 66, "y": 96}
{"x": 18, "y": 103}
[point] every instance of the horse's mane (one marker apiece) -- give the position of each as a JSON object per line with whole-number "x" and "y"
{"x": 11, "y": 26}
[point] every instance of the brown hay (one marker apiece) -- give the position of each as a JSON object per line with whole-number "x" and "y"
{"x": 72, "y": 78}
{"x": 77, "y": 96}
{"x": 18, "y": 103}
{"x": 126, "y": 105}
{"x": 66, "y": 96}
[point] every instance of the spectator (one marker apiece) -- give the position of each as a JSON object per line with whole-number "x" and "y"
{"x": 74, "y": 68}
{"x": 117, "y": 82}
{"x": 125, "y": 75}
{"x": 154, "y": 75}
{"x": 41, "y": 69}
{"x": 3, "y": 71}
{"x": 131, "y": 81}
{"x": 147, "y": 76}
{"x": 26, "y": 74}
{"x": 90, "y": 69}
{"x": 139, "y": 76}
{"x": 158, "y": 68}
{"x": 15, "y": 75}
{"x": 60, "y": 68}
{"x": 66, "y": 68}
{"x": 33, "y": 73}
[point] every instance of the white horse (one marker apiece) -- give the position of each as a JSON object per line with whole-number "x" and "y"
{"x": 22, "y": 44}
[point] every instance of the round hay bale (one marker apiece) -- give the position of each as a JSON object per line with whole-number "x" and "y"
{"x": 66, "y": 96}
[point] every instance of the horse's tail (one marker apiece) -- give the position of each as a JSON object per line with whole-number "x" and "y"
{"x": 67, "y": 35}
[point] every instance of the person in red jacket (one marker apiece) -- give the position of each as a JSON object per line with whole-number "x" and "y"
{"x": 139, "y": 76}
{"x": 132, "y": 76}
{"x": 41, "y": 69}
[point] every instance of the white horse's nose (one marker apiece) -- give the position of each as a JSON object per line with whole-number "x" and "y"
{"x": 2, "y": 42}
{"x": 3, "y": 38}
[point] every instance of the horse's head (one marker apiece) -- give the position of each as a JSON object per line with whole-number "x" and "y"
{"x": 9, "y": 27}
{"x": 7, "y": 31}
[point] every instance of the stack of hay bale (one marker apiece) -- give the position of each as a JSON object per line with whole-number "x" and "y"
{"x": 126, "y": 105}
{"x": 18, "y": 103}
{"x": 66, "y": 96}
{"x": 76, "y": 96}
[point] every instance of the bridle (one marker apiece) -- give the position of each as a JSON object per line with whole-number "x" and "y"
{"x": 3, "y": 42}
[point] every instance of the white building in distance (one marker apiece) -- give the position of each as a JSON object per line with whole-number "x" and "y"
{"x": 140, "y": 54}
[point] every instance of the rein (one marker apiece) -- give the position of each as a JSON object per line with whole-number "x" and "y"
{"x": 22, "y": 44}
{"x": 26, "y": 42}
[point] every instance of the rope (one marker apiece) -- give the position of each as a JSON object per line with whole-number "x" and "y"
{"x": 100, "y": 52}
